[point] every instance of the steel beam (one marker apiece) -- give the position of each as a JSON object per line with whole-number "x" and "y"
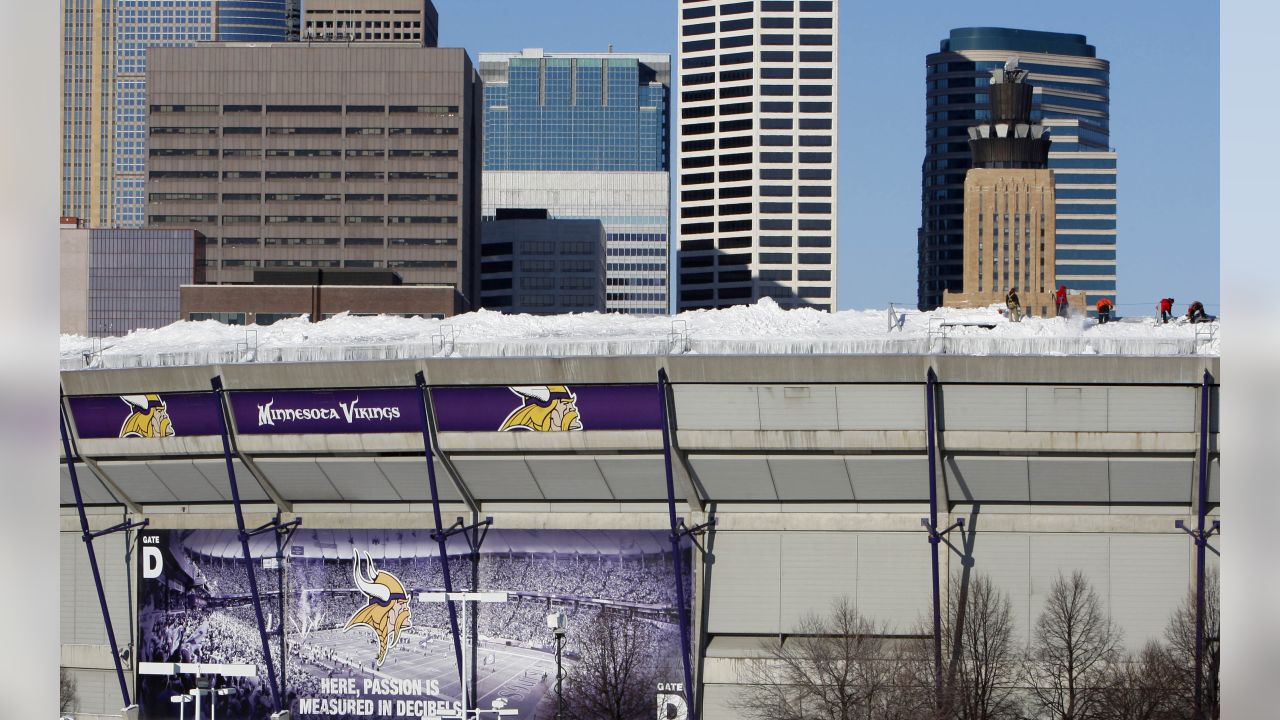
{"x": 677, "y": 531}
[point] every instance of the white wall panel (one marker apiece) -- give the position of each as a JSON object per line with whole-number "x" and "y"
{"x": 1151, "y": 409}
{"x": 1073, "y": 480}
{"x": 880, "y": 407}
{"x": 1005, "y": 559}
{"x": 810, "y": 478}
{"x": 1165, "y": 480}
{"x": 987, "y": 479}
{"x": 889, "y": 477}
{"x": 817, "y": 569}
{"x": 1082, "y": 409}
{"x": 984, "y": 407}
{"x": 1064, "y": 553}
{"x": 186, "y": 482}
{"x": 80, "y": 615}
{"x": 746, "y": 583}
{"x": 728, "y": 477}
{"x": 1150, "y": 576}
{"x": 215, "y": 471}
{"x": 716, "y": 407}
{"x": 797, "y": 407}
{"x": 894, "y": 578}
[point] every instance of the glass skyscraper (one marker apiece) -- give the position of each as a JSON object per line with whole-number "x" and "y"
{"x": 1072, "y": 100}
{"x": 584, "y": 135}
{"x": 104, "y": 71}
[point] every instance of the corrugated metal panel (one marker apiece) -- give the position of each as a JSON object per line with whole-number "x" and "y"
{"x": 718, "y": 702}
{"x": 716, "y": 407}
{"x": 186, "y": 482}
{"x": 987, "y": 479}
{"x": 295, "y": 480}
{"x": 889, "y": 477}
{"x": 1064, "y": 553}
{"x": 880, "y": 407}
{"x": 1074, "y": 480}
{"x": 817, "y": 568}
{"x": 1150, "y": 577}
{"x": 810, "y": 478}
{"x": 1151, "y": 409}
{"x": 729, "y": 477}
{"x": 894, "y": 578}
{"x": 1005, "y": 559}
{"x": 570, "y": 478}
{"x": 1081, "y": 409}
{"x": 984, "y": 407}
{"x": 409, "y": 478}
{"x": 1215, "y": 479}
{"x": 1166, "y": 480}
{"x": 216, "y": 473}
{"x": 97, "y": 693}
{"x": 80, "y": 615}
{"x": 745, "y": 583}
{"x": 798, "y": 407}
{"x": 359, "y": 480}
{"x": 498, "y": 479}
{"x": 91, "y": 490}
{"x": 136, "y": 480}
{"x": 634, "y": 478}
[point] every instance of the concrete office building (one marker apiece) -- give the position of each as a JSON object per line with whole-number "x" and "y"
{"x": 584, "y": 135}
{"x": 1072, "y": 100}
{"x": 758, "y": 148}
{"x": 536, "y": 264}
{"x": 115, "y": 281}
{"x": 104, "y": 49}
{"x": 413, "y": 21}
{"x": 320, "y": 156}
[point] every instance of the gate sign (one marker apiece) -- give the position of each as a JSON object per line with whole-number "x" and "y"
{"x": 146, "y": 415}
{"x": 307, "y": 412}
{"x": 547, "y": 408}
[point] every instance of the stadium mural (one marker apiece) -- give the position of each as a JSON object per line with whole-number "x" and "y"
{"x": 547, "y": 408}
{"x": 149, "y": 415}
{"x": 360, "y": 642}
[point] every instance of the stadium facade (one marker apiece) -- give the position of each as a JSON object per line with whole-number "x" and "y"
{"x": 815, "y": 469}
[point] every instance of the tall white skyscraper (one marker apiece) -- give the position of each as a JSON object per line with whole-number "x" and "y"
{"x": 757, "y": 152}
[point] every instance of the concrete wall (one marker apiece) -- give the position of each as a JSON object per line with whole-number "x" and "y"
{"x": 73, "y": 281}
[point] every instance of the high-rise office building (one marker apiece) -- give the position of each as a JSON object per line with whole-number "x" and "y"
{"x": 584, "y": 136}
{"x": 372, "y": 20}
{"x": 372, "y": 162}
{"x": 104, "y": 48}
{"x": 1072, "y": 99}
{"x": 535, "y": 264}
{"x": 757, "y": 150}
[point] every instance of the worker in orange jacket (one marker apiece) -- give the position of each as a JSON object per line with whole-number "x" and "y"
{"x": 1104, "y": 310}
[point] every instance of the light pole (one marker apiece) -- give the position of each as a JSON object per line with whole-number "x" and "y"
{"x": 466, "y": 598}
{"x": 182, "y": 701}
{"x": 213, "y": 701}
{"x": 555, "y": 621}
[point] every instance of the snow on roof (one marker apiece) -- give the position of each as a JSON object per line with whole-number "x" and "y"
{"x": 760, "y": 329}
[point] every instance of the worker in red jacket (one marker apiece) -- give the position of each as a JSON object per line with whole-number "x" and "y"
{"x": 1060, "y": 300}
{"x": 1166, "y": 309}
{"x": 1104, "y": 310}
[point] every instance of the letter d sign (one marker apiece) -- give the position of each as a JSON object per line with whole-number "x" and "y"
{"x": 152, "y": 562}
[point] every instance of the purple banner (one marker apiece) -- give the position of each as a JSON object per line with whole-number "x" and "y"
{"x": 547, "y": 408}
{"x": 308, "y": 412}
{"x": 147, "y": 415}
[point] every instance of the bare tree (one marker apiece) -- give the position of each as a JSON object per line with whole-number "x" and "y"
{"x": 1181, "y": 636}
{"x": 837, "y": 666}
{"x": 66, "y": 692}
{"x": 1140, "y": 687}
{"x": 618, "y": 673}
{"x": 1074, "y": 642}
{"x": 981, "y": 662}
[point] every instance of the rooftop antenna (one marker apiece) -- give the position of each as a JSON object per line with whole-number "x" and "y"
{"x": 610, "y": 48}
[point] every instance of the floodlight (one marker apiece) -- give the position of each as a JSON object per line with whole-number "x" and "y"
{"x": 555, "y": 621}
{"x": 1178, "y": 524}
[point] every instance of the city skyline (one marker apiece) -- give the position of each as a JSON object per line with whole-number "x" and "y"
{"x": 1164, "y": 121}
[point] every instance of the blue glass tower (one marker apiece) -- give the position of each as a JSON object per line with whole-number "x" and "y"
{"x": 584, "y": 136}
{"x": 143, "y": 24}
{"x": 1072, "y": 99}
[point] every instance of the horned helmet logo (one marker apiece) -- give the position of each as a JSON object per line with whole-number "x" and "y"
{"x": 386, "y": 609}
{"x": 148, "y": 417}
{"x": 544, "y": 408}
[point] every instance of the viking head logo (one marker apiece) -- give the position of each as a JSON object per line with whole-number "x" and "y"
{"x": 387, "y": 607}
{"x": 149, "y": 417}
{"x": 545, "y": 408}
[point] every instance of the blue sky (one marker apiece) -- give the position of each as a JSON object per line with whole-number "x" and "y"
{"x": 1164, "y": 106}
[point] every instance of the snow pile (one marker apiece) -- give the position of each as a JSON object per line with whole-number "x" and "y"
{"x": 760, "y": 329}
